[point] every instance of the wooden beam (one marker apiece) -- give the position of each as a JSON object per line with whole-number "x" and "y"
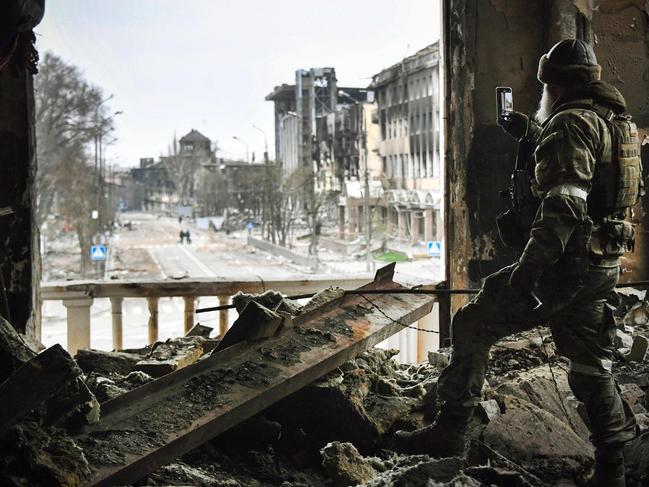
{"x": 239, "y": 382}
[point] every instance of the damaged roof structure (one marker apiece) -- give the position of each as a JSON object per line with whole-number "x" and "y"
{"x": 299, "y": 396}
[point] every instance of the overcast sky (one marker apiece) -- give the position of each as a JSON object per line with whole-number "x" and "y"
{"x": 208, "y": 64}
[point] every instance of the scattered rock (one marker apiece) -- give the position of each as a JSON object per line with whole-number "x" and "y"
{"x": 345, "y": 466}
{"x": 488, "y": 410}
{"x": 536, "y": 440}
{"x": 323, "y": 297}
{"x": 638, "y": 350}
{"x": 171, "y": 355}
{"x": 199, "y": 330}
{"x": 438, "y": 359}
{"x": 622, "y": 340}
{"x": 107, "y": 363}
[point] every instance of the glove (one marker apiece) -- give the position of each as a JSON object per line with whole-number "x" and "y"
{"x": 523, "y": 279}
{"x": 515, "y": 124}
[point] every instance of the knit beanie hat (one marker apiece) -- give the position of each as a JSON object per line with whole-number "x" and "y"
{"x": 570, "y": 62}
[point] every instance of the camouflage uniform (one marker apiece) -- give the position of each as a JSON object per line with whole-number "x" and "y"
{"x": 572, "y": 284}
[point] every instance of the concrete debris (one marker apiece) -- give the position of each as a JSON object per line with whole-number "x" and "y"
{"x": 171, "y": 355}
{"x": 529, "y": 431}
{"x": 270, "y": 299}
{"x": 488, "y": 410}
{"x": 638, "y": 352}
{"x": 200, "y": 331}
{"x": 345, "y": 466}
{"x": 323, "y": 297}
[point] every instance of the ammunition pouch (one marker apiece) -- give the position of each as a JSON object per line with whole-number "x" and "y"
{"x": 613, "y": 238}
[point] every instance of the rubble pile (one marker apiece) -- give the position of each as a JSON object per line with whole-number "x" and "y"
{"x": 528, "y": 431}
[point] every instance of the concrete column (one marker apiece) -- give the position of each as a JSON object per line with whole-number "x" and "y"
{"x": 414, "y": 227}
{"x": 401, "y": 224}
{"x": 78, "y": 314}
{"x": 224, "y": 315}
{"x": 429, "y": 231}
{"x": 190, "y": 308}
{"x": 353, "y": 217}
{"x": 116, "y": 308}
{"x": 153, "y": 319}
{"x": 341, "y": 222}
{"x": 360, "y": 220}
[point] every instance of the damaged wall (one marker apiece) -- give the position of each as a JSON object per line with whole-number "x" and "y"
{"x": 19, "y": 251}
{"x": 512, "y": 35}
{"x": 480, "y": 156}
{"x": 19, "y": 261}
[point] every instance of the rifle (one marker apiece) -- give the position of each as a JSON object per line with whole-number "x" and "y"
{"x": 515, "y": 223}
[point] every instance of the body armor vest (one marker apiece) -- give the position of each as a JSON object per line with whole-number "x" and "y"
{"x": 616, "y": 185}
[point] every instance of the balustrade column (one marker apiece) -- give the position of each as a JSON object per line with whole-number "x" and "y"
{"x": 190, "y": 309}
{"x": 116, "y": 308}
{"x": 224, "y": 315}
{"x": 153, "y": 319}
{"x": 78, "y": 315}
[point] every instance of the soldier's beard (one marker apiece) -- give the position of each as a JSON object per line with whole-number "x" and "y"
{"x": 545, "y": 105}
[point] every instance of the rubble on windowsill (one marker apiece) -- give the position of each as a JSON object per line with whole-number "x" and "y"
{"x": 337, "y": 431}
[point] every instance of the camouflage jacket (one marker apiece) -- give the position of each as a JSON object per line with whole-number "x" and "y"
{"x": 570, "y": 143}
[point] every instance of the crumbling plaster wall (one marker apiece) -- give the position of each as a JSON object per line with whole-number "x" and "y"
{"x": 19, "y": 251}
{"x": 621, "y": 40}
{"x": 498, "y": 42}
{"x": 487, "y": 43}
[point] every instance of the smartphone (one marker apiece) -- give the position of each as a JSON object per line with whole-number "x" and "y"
{"x": 504, "y": 101}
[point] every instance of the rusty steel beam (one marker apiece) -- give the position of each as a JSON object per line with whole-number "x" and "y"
{"x": 160, "y": 421}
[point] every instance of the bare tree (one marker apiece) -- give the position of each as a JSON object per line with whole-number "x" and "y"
{"x": 69, "y": 118}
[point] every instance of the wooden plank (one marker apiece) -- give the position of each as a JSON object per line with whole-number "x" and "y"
{"x": 233, "y": 385}
{"x": 34, "y": 382}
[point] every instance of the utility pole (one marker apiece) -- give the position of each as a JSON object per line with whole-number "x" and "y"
{"x": 366, "y": 215}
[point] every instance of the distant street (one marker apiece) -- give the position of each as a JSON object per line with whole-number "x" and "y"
{"x": 153, "y": 250}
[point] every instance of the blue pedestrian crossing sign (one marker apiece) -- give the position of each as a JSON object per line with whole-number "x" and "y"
{"x": 434, "y": 248}
{"x": 97, "y": 253}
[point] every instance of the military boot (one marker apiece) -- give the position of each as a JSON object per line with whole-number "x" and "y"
{"x": 444, "y": 438}
{"x": 609, "y": 468}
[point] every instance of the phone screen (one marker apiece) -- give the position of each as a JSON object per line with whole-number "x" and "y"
{"x": 505, "y": 100}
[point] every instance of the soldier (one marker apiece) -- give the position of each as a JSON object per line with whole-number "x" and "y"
{"x": 587, "y": 176}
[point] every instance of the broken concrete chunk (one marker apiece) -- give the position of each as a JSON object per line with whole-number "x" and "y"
{"x": 537, "y": 441}
{"x": 638, "y": 350}
{"x": 323, "y": 297}
{"x": 270, "y": 299}
{"x": 106, "y": 363}
{"x": 622, "y": 340}
{"x": 488, "y": 410}
{"x": 345, "y": 465}
{"x": 255, "y": 322}
{"x": 438, "y": 359}
{"x": 199, "y": 330}
{"x": 53, "y": 459}
{"x": 171, "y": 355}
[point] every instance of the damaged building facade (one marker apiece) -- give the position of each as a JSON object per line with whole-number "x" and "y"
{"x": 408, "y": 114}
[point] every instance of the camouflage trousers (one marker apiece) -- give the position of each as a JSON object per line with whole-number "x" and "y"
{"x": 583, "y": 329}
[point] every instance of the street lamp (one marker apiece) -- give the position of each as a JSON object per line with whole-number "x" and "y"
{"x": 265, "y": 142}
{"x": 244, "y": 143}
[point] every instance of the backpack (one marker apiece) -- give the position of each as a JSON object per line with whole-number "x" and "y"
{"x": 617, "y": 181}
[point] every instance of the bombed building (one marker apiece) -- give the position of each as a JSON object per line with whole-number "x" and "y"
{"x": 474, "y": 314}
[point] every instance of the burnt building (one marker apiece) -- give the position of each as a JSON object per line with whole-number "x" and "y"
{"x": 408, "y": 114}
{"x": 298, "y": 107}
